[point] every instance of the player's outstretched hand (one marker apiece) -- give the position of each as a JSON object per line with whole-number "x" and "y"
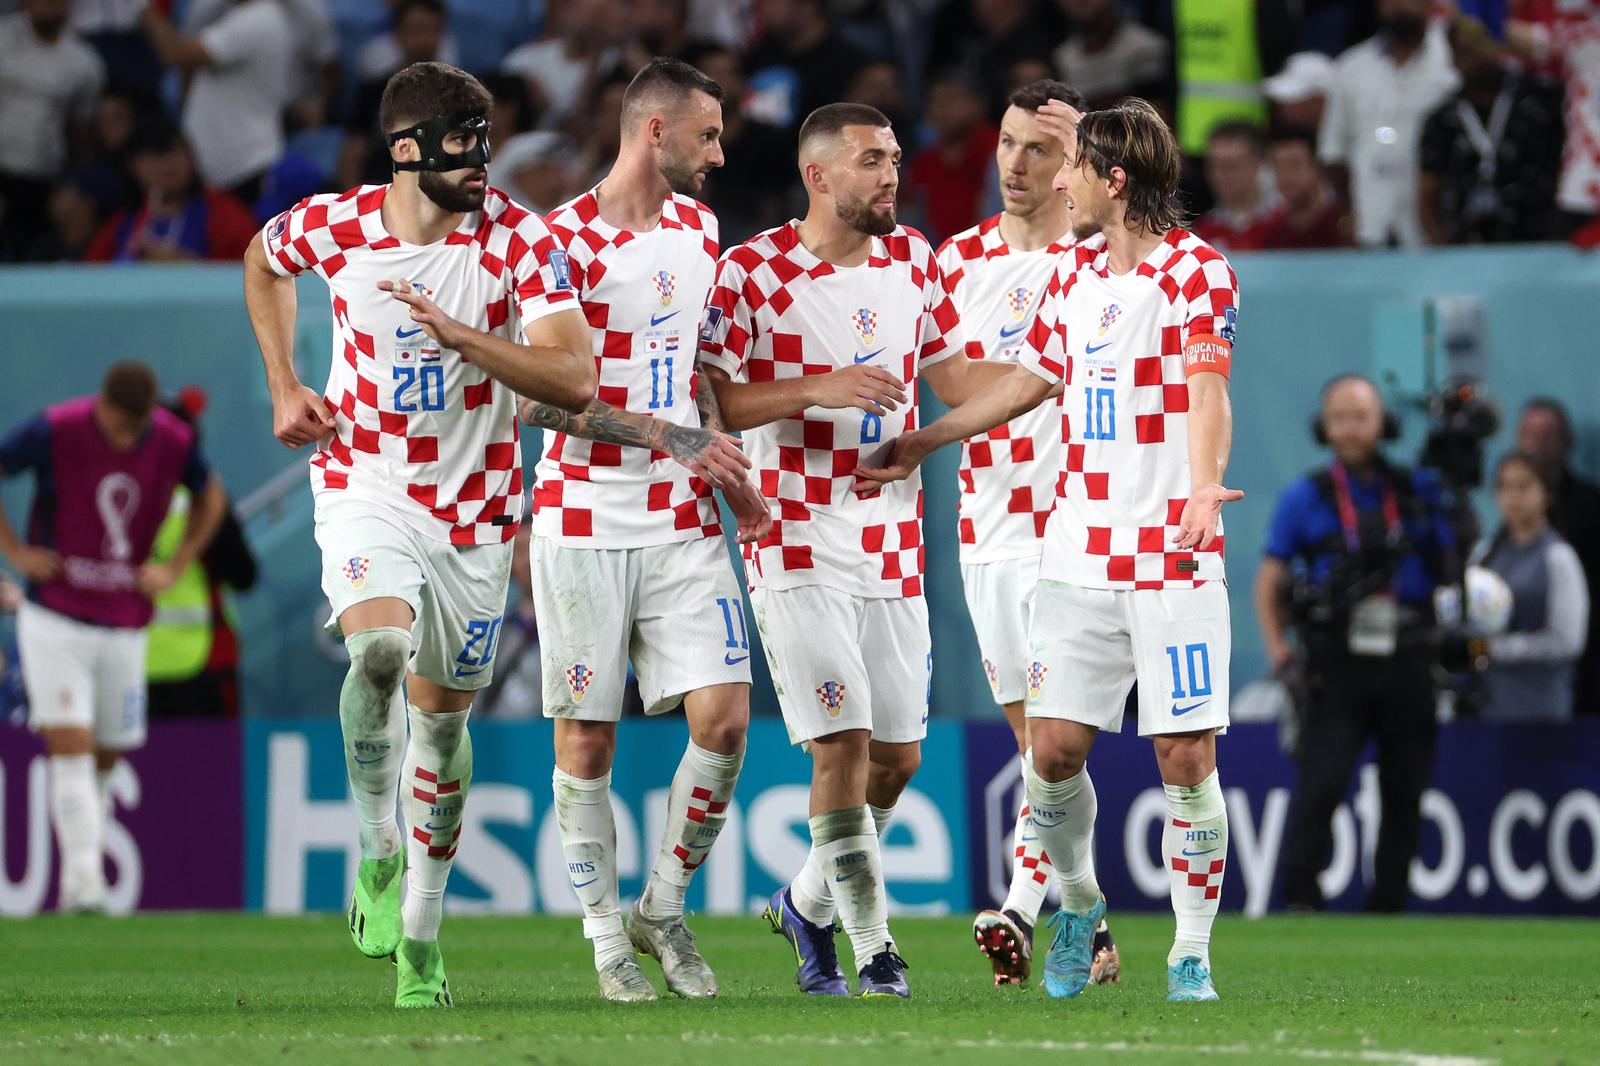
{"x": 893, "y": 462}
{"x": 1059, "y": 119}
{"x": 425, "y": 313}
{"x": 870, "y": 388}
{"x": 156, "y": 578}
{"x": 744, "y": 500}
{"x": 712, "y": 456}
{"x": 37, "y": 564}
{"x": 1197, "y": 527}
{"x": 300, "y": 417}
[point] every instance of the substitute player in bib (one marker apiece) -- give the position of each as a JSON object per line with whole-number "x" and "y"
{"x": 1138, "y": 323}
{"x": 105, "y": 468}
{"x": 996, "y": 273}
{"x": 628, "y": 558}
{"x": 814, "y": 338}
{"x": 447, "y": 299}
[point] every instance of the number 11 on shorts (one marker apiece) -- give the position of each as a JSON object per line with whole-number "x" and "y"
{"x": 738, "y": 640}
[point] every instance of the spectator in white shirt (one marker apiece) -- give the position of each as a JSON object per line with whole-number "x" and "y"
{"x": 49, "y": 82}
{"x": 580, "y": 50}
{"x": 314, "y": 84}
{"x": 409, "y": 21}
{"x": 1383, "y": 90}
{"x": 243, "y": 70}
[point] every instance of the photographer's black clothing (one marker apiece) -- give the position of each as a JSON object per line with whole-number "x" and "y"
{"x": 1575, "y": 514}
{"x": 1367, "y": 554}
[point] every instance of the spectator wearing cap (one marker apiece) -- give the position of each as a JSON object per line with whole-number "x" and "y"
{"x": 1235, "y": 152}
{"x": 947, "y": 179}
{"x": 1306, "y": 216}
{"x": 178, "y": 219}
{"x": 242, "y": 69}
{"x": 1491, "y": 155}
{"x": 537, "y": 169}
{"x": 1382, "y": 91}
{"x": 1298, "y": 93}
{"x": 1109, "y": 56}
{"x": 49, "y": 80}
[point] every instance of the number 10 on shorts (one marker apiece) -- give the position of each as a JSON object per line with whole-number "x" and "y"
{"x": 1191, "y": 663}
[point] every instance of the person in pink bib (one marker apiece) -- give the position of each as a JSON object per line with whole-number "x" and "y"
{"x": 105, "y": 469}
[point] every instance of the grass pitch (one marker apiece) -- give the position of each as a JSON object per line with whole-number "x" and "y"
{"x": 234, "y": 989}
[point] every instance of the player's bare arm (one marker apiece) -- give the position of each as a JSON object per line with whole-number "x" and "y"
{"x": 35, "y": 563}
{"x": 299, "y": 415}
{"x": 1016, "y": 392}
{"x": 958, "y": 379}
{"x": 554, "y": 367}
{"x": 709, "y": 454}
{"x": 744, "y": 498}
{"x": 1210, "y": 441}
{"x": 205, "y": 518}
{"x": 746, "y": 405}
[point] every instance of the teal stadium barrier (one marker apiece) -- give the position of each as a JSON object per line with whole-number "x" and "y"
{"x": 1302, "y": 319}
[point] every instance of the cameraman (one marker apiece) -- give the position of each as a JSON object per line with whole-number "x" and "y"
{"x": 1362, "y": 543}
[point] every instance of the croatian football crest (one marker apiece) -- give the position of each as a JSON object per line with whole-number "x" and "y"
{"x": 865, "y": 323}
{"x": 1036, "y": 673}
{"x": 355, "y": 570}
{"x": 578, "y": 678}
{"x": 1109, "y": 314}
{"x": 992, "y": 674}
{"x": 665, "y": 284}
{"x": 1019, "y": 300}
{"x": 831, "y": 695}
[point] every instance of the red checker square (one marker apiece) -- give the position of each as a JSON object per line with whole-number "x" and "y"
{"x": 1041, "y": 519}
{"x": 872, "y": 537}
{"x": 1175, "y": 399}
{"x": 616, "y": 345}
{"x": 601, "y": 454}
{"x": 501, "y": 456}
{"x": 1213, "y": 891}
{"x": 1147, "y": 370}
{"x": 659, "y": 496}
{"x": 969, "y": 535}
{"x": 793, "y": 511}
{"x": 791, "y": 460}
{"x": 845, "y": 461}
{"x": 1197, "y": 880}
{"x": 1175, "y": 511}
{"x": 615, "y": 395}
{"x": 577, "y": 522}
{"x": 391, "y": 423}
{"x": 347, "y": 406}
{"x": 422, "y": 449}
{"x": 1021, "y": 449}
{"x": 788, "y": 348}
{"x": 366, "y": 391}
{"x": 1171, "y": 340}
{"x": 498, "y": 314}
{"x": 1099, "y": 541}
{"x": 891, "y": 567}
{"x": 910, "y": 534}
{"x": 597, "y": 314}
{"x": 965, "y": 477}
{"x": 1097, "y": 486}
{"x": 781, "y": 301}
{"x": 686, "y": 515}
{"x": 1171, "y": 569}
{"x": 811, "y": 370}
{"x": 473, "y": 396}
{"x": 911, "y": 586}
{"x": 1152, "y": 538}
{"x": 335, "y": 479}
{"x": 797, "y": 557}
{"x": 427, "y": 495}
{"x": 1075, "y": 458}
{"x": 1119, "y": 568}
{"x": 819, "y": 490}
{"x": 475, "y": 487}
{"x": 364, "y": 440}
{"x": 1150, "y": 429}
{"x": 980, "y": 453}
{"x": 817, "y": 434}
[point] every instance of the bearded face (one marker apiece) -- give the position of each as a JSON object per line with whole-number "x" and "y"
{"x": 456, "y": 191}
{"x": 866, "y": 215}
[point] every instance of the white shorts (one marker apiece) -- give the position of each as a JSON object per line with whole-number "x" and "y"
{"x": 1000, "y": 600}
{"x": 819, "y": 642}
{"x": 1087, "y": 646}
{"x": 83, "y": 676}
{"x": 674, "y": 610}
{"x": 457, "y": 594}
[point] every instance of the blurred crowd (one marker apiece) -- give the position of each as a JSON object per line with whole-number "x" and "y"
{"x": 169, "y": 129}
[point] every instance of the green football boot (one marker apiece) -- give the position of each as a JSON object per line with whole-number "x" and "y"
{"x": 375, "y": 906}
{"x": 421, "y": 972}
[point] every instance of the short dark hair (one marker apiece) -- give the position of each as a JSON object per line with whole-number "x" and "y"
{"x": 1294, "y": 135}
{"x": 429, "y": 90}
{"x": 829, "y": 120}
{"x": 130, "y": 387}
{"x": 664, "y": 77}
{"x": 1132, "y": 135}
{"x": 1035, "y": 94}
{"x": 405, "y": 7}
{"x": 155, "y": 133}
{"x": 1238, "y": 129}
{"x": 1558, "y": 410}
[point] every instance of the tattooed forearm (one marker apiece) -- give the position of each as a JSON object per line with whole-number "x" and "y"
{"x": 602, "y": 422}
{"x": 685, "y": 443}
{"x": 705, "y": 401}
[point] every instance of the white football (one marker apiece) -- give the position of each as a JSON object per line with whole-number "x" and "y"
{"x": 1488, "y": 602}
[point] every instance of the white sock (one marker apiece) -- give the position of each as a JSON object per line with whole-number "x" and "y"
{"x": 1063, "y": 815}
{"x": 76, "y": 813}
{"x": 372, "y": 718}
{"x": 589, "y": 842}
{"x": 1195, "y": 844}
{"x": 811, "y": 893}
{"x": 1030, "y": 870}
{"x": 697, "y": 809}
{"x": 438, "y": 770}
{"x": 845, "y": 843}
{"x": 102, "y": 789}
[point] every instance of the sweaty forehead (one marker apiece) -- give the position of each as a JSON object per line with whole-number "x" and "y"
{"x": 854, "y": 140}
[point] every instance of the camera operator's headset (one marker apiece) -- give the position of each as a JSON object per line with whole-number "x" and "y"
{"x": 1391, "y": 421}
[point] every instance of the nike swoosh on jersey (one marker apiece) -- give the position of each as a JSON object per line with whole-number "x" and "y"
{"x": 1013, "y": 331}
{"x": 1179, "y": 711}
{"x": 732, "y": 661}
{"x": 656, "y": 320}
{"x": 1090, "y": 349}
{"x": 870, "y": 355}
{"x": 404, "y": 333}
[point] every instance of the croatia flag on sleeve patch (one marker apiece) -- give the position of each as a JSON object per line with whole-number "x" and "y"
{"x": 578, "y": 678}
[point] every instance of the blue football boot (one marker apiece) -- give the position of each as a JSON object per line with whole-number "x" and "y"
{"x": 817, "y": 963}
{"x": 884, "y": 975}
{"x": 1190, "y": 982}
{"x": 1067, "y": 964}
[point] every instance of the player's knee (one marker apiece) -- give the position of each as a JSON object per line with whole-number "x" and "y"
{"x": 895, "y": 765}
{"x": 584, "y": 749}
{"x": 1058, "y": 764}
{"x": 724, "y": 736}
{"x": 381, "y": 660}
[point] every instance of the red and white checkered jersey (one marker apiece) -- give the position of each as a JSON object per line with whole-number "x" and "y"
{"x": 778, "y": 312}
{"x": 643, "y": 294}
{"x": 1008, "y": 475}
{"x": 1573, "y": 34}
{"x": 416, "y": 426}
{"x": 1120, "y": 342}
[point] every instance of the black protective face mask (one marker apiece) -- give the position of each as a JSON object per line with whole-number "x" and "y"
{"x": 430, "y": 137}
